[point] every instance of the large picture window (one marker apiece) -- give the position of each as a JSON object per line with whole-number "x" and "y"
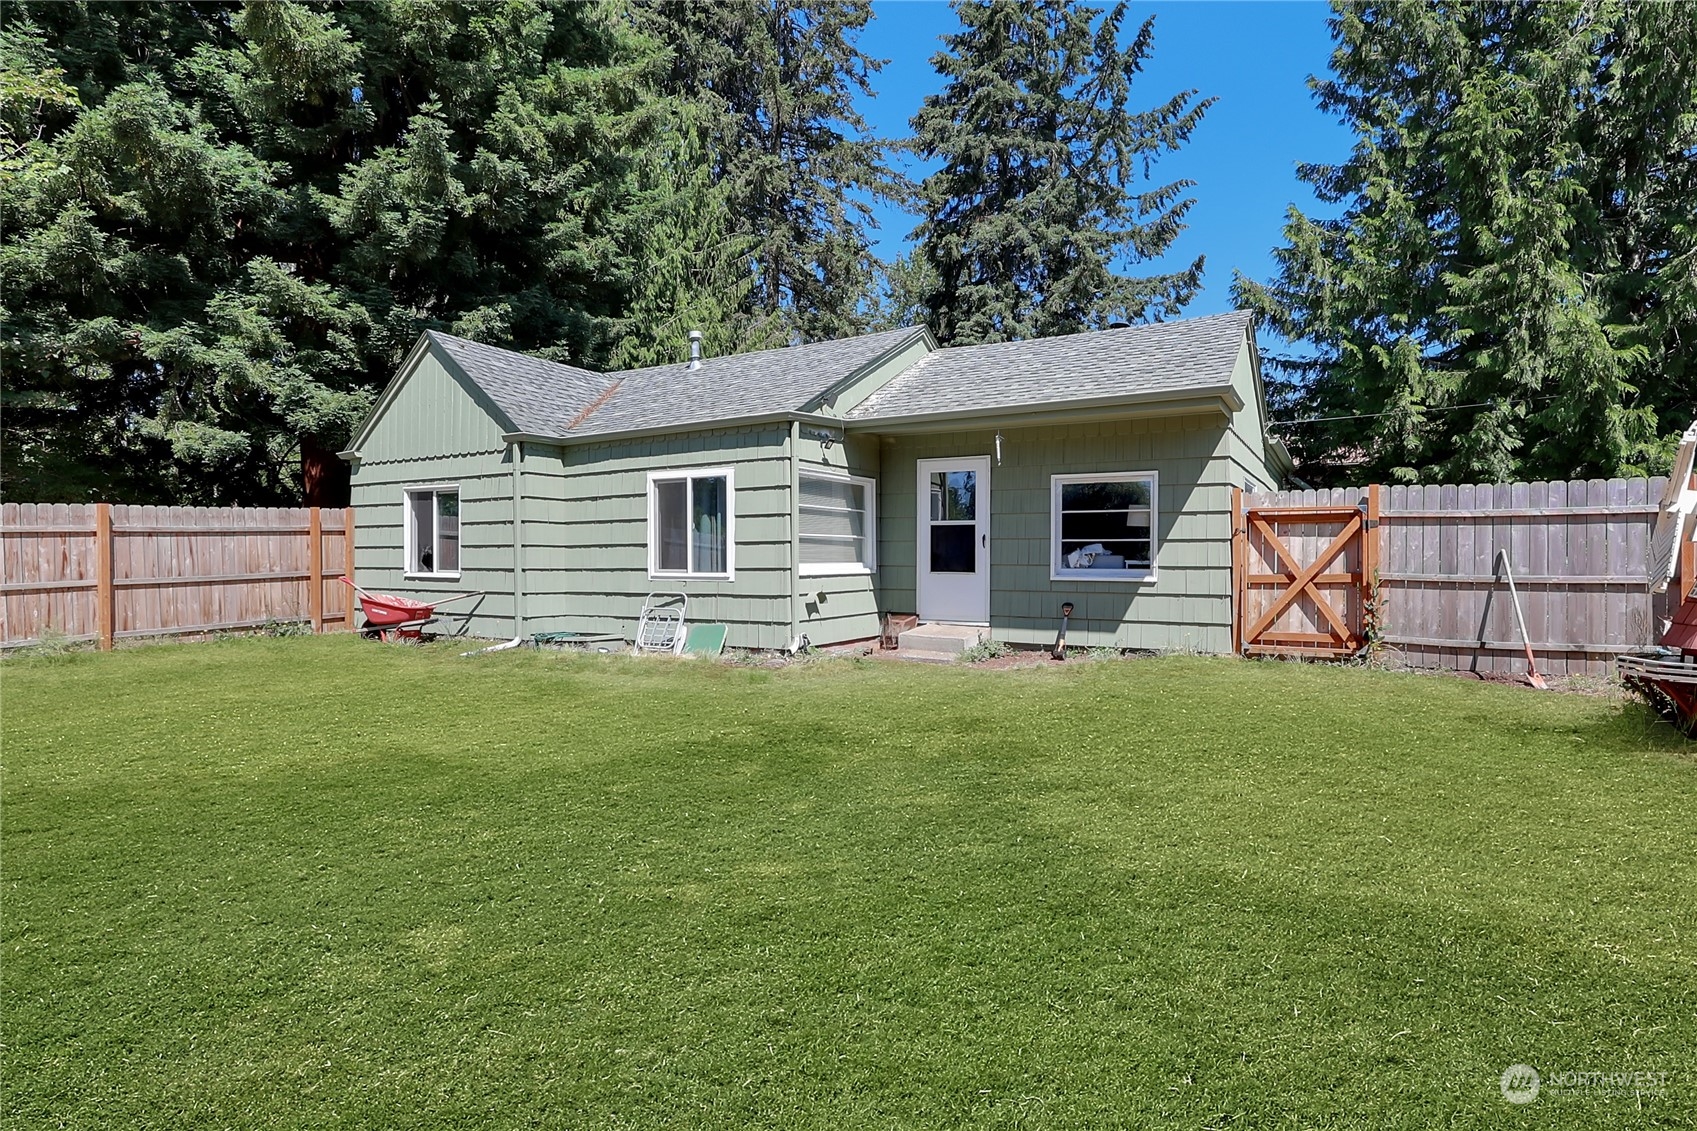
{"x": 690, "y": 524}
{"x": 432, "y": 531}
{"x": 838, "y": 528}
{"x": 1103, "y": 527}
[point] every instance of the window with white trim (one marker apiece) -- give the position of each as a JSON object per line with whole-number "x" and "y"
{"x": 838, "y": 524}
{"x": 1102, "y": 526}
{"x": 432, "y": 543}
{"x": 691, "y": 524}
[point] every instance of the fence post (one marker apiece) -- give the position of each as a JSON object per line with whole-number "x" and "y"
{"x": 1238, "y": 564}
{"x": 348, "y": 564}
{"x": 105, "y": 615}
{"x": 1370, "y": 538}
{"x": 315, "y": 568}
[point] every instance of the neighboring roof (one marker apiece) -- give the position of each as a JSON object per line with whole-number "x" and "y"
{"x": 1191, "y": 356}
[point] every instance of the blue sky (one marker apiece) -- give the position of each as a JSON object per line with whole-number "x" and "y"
{"x": 1255, "y": 57}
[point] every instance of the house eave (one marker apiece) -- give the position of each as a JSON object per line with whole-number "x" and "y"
{"x": 1222, "y": 400}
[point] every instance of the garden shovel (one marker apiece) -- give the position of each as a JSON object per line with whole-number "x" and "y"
{"x": 1504, "y": 571}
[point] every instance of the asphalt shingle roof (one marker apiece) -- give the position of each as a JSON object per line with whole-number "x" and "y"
{"x": 728, "y": 388}
{"x": 1161, "y": 357}
{"x": 545, "y": 398}
{"x": 537, "y": 396}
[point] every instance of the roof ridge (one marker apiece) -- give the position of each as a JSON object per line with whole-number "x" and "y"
{"x": 1137, "y": 327}
{"x": 749, "y": 354}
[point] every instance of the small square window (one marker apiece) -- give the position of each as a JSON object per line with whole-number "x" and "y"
{"x": 1103, "y": 527}
{"x": 690, "y": 524}
{"x": 433, "y": 532}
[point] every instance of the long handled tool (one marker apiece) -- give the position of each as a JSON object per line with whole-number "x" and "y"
{"x": 1060, "y": 651}
{"x": 1504, "y": 571}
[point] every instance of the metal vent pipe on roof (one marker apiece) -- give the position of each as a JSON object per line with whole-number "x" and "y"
{"x": 695, "y": 337}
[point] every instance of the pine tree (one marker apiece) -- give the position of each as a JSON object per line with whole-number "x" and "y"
{"x": 1511, "y": 288}
{"x": 1035, "y": 211}
{"x": 774, "y": 84}
{"x": 696, "y": 268}
{"x": 219, "y": 248}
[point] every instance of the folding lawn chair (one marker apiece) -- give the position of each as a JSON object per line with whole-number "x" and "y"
{"x": 660, "y": 629}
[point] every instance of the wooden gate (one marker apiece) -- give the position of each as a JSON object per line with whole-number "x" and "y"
{"x": 1304, "y": 576}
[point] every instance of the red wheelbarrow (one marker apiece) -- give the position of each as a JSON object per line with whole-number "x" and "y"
{"x": 388, "y": 617}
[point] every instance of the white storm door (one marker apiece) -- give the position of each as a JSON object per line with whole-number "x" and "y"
{"x": 953, "y": 555}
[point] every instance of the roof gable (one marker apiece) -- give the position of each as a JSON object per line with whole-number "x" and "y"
{"x": 429, "y": 407}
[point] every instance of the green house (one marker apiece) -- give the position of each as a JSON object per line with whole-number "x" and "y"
{"x": 816, "y": 489}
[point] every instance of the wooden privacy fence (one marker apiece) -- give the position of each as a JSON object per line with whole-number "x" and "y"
{"x": 95, "y": 571}
{"x": 1319, "y": 572}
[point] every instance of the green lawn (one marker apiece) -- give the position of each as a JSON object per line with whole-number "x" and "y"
{"x": 330, "y": 883}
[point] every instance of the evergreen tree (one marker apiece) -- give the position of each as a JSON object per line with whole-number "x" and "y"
{"x": 773, "y": 84}
{"x": 1035, "y": 211}
{"x": 1510, "y": 291}
{"x": 224, "y": 224}
{"x": 696, "y": 268}
{"x": 898, "y": 299}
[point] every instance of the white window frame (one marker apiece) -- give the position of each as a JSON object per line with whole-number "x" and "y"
{"x": 655, "y": 573}
{"x": 1058, "y": 570}
{"x": 844, "y": 569}
{"x": 407, "y": 555}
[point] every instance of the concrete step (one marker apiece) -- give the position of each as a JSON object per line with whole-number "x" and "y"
{"x": 916, "y": 656}
{"x": 947, "y": 638}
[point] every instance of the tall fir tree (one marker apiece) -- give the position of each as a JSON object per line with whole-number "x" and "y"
{"x": 697, "y": 271}
{"x": 225, "y": 223}
{"x": 1041, "y": 201}
{"x": 1510, "y": 290}
{"x": 774, "y": 84}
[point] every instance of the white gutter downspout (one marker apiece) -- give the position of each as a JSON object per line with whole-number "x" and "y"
{"x": 518, "y": 561}
{"x": 794, "y": 445}
{"x": 518, "y": 541}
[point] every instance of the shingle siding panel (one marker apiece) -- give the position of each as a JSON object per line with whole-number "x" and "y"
{"x": 1025, "y": 603}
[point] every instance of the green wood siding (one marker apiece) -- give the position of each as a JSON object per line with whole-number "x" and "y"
{"x": 835, "y": 610}
{"x": 432, "y": 415}
{"x": 1248, "y": 448}
{"x": 486, "y": 538}
{"x": 1188, "y": 606}
{"x": 585, "y": 511}
{"x": 434, "y": 430}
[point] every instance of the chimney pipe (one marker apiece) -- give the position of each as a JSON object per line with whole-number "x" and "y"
{"x": 695, "y": 337}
